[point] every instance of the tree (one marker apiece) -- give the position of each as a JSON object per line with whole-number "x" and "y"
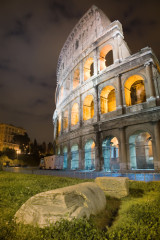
{"x": 22, "y": 141}
{"x": 10, "y": 153}
{"x": 50, "y": 148}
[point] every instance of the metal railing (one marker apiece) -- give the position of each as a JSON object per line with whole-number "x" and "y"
{"x": 147, "y": 177}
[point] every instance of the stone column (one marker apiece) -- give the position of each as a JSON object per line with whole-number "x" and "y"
{"x": 62, "y": 119}
{"x": 123, "y": 150}
{"x": 96, "y": 103}
{"x": 55, "y": 128}
{"x": 116, "y": 49}
{"x": 69, "y": 157}
{"x": 156, "y": 146}
{"x": 95, "y": 62}
{"x": 119, "y": 98}
{"x": 81, "y": 159}
{"x": 81, "y": 72}
{"x": 151, "y": 97}
{"x": 69, "y": 118}
{"x": 80, "y": 111}
{"x": 98, "y": 153}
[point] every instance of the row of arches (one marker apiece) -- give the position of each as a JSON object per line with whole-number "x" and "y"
{"x": 140, "y": 153}
{"x": 134, "y": 90}
{"x": 105, "y": 60}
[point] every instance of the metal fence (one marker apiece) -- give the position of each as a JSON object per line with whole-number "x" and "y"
{"x": 147, "y": 177}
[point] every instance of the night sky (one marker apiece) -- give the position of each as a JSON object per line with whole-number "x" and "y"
{"x": 32, "y": 33}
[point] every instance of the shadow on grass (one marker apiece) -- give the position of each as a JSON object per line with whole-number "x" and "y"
{"x": 135, "y": 192}
{"x": 106, "y": 218}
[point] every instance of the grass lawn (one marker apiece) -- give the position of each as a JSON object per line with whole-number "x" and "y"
{"x": 134, "y": 217}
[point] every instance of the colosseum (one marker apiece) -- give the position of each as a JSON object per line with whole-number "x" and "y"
{"x": 107, "y": 100}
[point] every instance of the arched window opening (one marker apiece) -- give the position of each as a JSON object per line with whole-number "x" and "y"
{"x": 65, "y": 120}
{"x": 88, "y": 107}
{"x": 75, "y": 114}
{"x": 134, "y": 90}
{"x": 110, "y": 149}
{"x": 65, "y": 160}
{"x": 74, "y": 157}
{"x": 106, "y": 57}
{"x": 140, "y": 147}
{"x": 90, "y": 155}
{"x": 59, "y": 125}
{"x": 108, "y": 99}
{"x": 76, "y": 78}
{"x": 88, "y": 69}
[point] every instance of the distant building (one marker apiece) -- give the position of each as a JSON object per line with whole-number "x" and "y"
{"x": 7, "y": 133}
{"x": 107, "y": 113}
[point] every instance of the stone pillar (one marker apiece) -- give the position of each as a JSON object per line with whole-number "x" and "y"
{"x": 119, "y": 39}
{"x": 55, "y": 128}
{"x": 95, "y": 62}
{"x": 123, "y": 150}
{"x": 156, "y": 146}
{"x": 69, "y": 118}
{"x": 151, "y": 87}
{"x": 80, "y": 111}
{"x": 116, "y": 49}
{"x": 96, "y": 103}
{"x": 69, "y": 157}
{"x": 81, "y": 72}
{"x": 119, "y": 98}
{"x": 62, "y": 119}
{"x": 98, "y": 153}
{"x": 81, "y": 158}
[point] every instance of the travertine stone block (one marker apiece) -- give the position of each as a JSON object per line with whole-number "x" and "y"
{"x": 114, "y": 186}
{"x": 76, "y": 201}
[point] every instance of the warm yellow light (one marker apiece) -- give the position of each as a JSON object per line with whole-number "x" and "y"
{"x": 65, "y": 120}
{"x": 87, "y": 69}
{"x": 134, "y": 90}
{"x": 59, "y": 124}
{"x": 76, "y": 78}
{"x": 104, "y": 51}
{"x": 108, "y": 99}
{"x": 88, "y": 107}
{"x": 75, "y": 114}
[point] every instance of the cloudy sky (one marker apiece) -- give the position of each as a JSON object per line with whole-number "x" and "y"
{"x": 32, "y": 33}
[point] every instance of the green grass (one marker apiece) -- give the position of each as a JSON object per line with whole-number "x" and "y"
{"x": 134, "y": 217}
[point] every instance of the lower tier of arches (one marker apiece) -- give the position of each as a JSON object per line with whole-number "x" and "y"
{"x": 130, "y": 148}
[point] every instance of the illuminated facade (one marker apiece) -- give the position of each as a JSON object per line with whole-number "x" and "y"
{"x": 6, "y": 136}
{"x": 107, "y": 100}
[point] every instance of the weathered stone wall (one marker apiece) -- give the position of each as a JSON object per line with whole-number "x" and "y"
{"x": 120, "y": 122}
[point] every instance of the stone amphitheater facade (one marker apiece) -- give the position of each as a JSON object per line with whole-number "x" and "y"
{"x": 107, "y": 100}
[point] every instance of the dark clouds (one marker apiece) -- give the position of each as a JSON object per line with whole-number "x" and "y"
{"x": 32, "y": 34}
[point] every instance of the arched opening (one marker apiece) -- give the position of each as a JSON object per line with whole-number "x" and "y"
{"x": 76, "y": 78}
{"x": 106, "y": 57}
{"x": 90, "y": 155}
{"x": 88, "y": 69}
{"x": 65, "y": 120}
{"x": 75, "y": 114}
{"x": 108, "y": 99}
{"x": 65, "y": 160}
{"x": 110, "y": 149}
{"x": 140, "y": 147}
{"x": 59, "y": 125}
{"x": 134, "y": 90}
{"x": 74, "y": 157}
{"x": 88, "y": 107}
